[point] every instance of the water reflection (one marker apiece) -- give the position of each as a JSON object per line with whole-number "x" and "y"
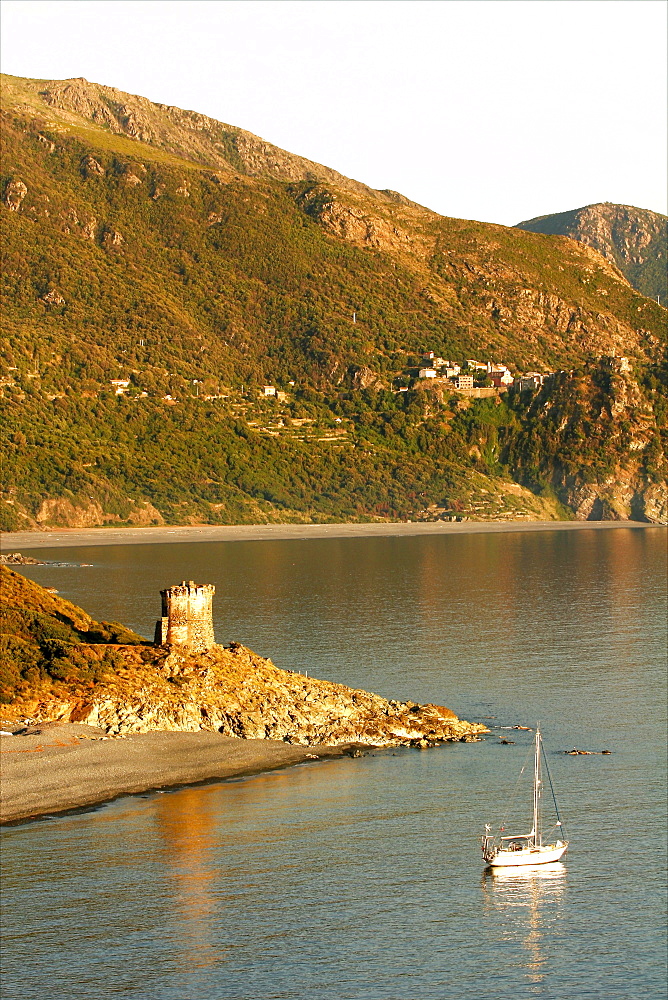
{"x": 528, "y": 901}
{"x": 185, "y": 823}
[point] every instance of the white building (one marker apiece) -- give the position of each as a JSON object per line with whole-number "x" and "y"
{"x": 501, "y": 378}
{"x": 493, "y": 369}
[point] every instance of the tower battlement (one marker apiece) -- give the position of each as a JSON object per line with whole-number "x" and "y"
{"x": 187, "y": 616}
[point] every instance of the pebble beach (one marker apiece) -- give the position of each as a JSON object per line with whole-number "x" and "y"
{"x": 57, "y": 767}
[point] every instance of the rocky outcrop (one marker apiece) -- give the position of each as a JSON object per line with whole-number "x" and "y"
{"x": 351, "y": 223}
{"x": 88, "y": 228}
{"x": 64, "y": 512}
{"x": 92, "y": 167}
{"x": 60, "y": 664}
{"x": 70, "y": 514}
{"x": 366, "y": 378}
{"x": 130, "y": 178}
{"x": 635, "y": 239}
{"x": 112, "y": 238}
{"x": 651, "y": 503}
{"x": 15, "y": 192}
{"x": 622, "y": 461}
{"x": 237, "y": 693}
{"x": 18, "y": 559}
{"x": 619, "y": 498}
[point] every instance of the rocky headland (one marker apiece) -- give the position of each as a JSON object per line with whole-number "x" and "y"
{"x": 61, "y": 668}
{"x": 18, "y": 559}
{"x": 235, "y": 692}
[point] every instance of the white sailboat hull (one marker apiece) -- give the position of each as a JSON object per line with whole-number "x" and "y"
{"x": 531, "y": 856}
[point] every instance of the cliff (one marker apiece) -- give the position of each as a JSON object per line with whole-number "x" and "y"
{"x": 58, "y": 664}
{"x": 596, "y": 438}
{"x": 635, "y": 239}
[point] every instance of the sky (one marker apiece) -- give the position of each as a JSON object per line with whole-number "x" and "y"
{"x": 496, "y": 110}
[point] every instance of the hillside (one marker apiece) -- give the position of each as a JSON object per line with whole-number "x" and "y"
{"x": 56, "y": 663}
{"x": 634, "y": 238}
{"x": 195, "y": 264}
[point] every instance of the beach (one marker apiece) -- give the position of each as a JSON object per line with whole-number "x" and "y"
{"x": 62, "y": 537}
{"x": 57, "y": 767}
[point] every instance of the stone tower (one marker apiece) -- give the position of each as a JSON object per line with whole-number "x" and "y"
{"x": 187, "y": 617}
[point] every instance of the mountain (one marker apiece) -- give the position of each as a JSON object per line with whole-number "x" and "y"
{"x": 73, "y": 105}
{"x": 161, "y": 269}
{"x": 634, "y": 238}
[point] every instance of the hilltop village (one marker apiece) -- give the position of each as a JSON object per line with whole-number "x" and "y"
{"x": 472, "y": 375}
{"x": 469, "y": 377}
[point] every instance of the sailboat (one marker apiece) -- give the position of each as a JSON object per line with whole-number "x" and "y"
{"x": 526, "y": 848}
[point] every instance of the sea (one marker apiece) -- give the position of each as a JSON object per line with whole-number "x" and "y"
{"x": 362, "y": 878}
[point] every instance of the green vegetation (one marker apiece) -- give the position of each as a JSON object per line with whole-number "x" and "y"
{"x": 133, "y": 260}
{"x": 317, "y": 456}
{"x": 45, "y": 639}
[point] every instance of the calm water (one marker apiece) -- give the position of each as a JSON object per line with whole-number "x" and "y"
{"x": 362, "y": 878}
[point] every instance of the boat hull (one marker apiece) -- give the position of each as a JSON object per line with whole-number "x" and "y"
{"x": 533, "y": 856}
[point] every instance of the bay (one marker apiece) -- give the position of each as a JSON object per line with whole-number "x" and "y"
{"x": 362, "y": 878}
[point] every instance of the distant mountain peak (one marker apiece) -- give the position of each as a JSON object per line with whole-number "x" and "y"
{"x": 636, "y": 239}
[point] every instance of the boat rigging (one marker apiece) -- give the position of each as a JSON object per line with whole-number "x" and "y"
{"x": 527, "y": 848}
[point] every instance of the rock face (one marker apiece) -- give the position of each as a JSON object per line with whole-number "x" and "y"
{"x": 623, "y": 475}
{"x": 238, "y": 693}
{"x": 15, "y": 192}
{"x": 64, "y": 512}
{"x": 634, "y": 238}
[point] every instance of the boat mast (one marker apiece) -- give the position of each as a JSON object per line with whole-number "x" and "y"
{"x": 536, "y": 790}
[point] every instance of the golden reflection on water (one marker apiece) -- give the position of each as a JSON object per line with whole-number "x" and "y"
{"x": 185, "y": 823}
{"x": 528, "y": 902}
{"x": 193, "y": 826}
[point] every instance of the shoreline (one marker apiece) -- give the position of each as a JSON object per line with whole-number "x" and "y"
{"x": 66, "y": 767}
{"x": 161, "y": 535}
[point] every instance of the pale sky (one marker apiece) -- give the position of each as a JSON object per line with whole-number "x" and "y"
{"x": 497, "y": 110}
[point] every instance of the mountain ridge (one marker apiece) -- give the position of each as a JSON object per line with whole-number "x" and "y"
{"x": 204, "y": 140}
